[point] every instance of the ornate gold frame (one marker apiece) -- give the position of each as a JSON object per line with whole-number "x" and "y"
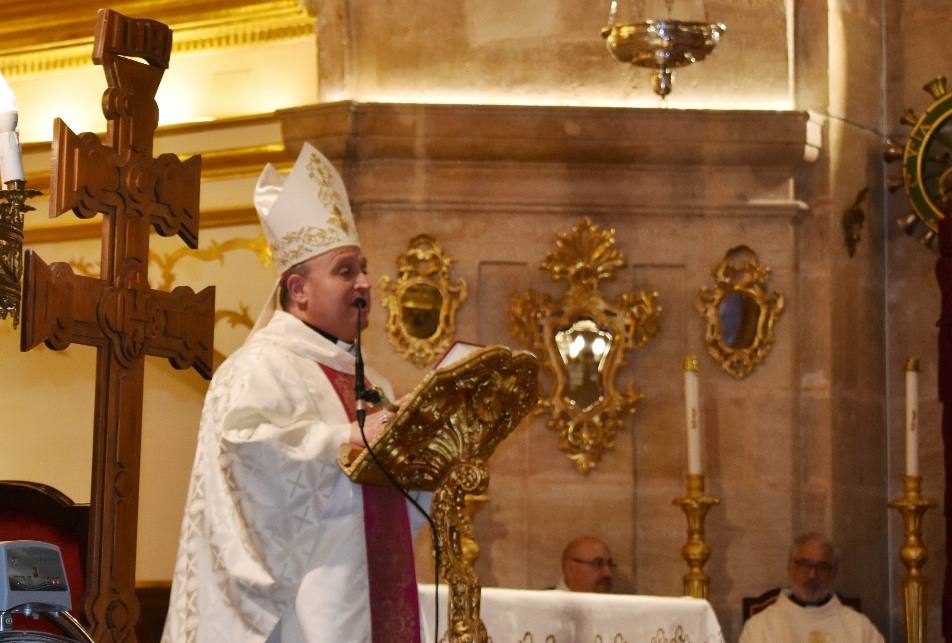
{"x": 59, "y": 39}
{"x": 423, "y": 266}
{"x": 584, "y": 256}
{"x": 740, "y": 272}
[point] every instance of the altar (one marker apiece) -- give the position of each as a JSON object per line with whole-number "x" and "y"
{"x": 527, "y": 616}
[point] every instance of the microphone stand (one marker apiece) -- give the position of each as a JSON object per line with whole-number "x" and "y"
{"x": 360, "y": 387}
{"x": 361, "y": 394}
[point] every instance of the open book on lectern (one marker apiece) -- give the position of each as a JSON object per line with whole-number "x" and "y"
{"x": 459, "y": 412}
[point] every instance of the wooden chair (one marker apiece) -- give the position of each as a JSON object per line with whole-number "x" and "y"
{"x": 753, "y": 604}
{"x": 153, "y": 606}
{"x": 34, "y": 511}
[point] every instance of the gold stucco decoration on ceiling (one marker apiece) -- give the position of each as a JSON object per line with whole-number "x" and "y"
{"x": 58, "y": 37}
{"x": 422, "y": 301}
{"x": 740, "y": 312}
{"x": 582, "y": 340}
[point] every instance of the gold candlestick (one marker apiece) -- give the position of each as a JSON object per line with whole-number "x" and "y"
{"x": 695, "y": 551}
{"x": 914, "y": 555}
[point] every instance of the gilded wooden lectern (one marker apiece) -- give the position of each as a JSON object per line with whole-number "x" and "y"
{"x": 440, "y": 441}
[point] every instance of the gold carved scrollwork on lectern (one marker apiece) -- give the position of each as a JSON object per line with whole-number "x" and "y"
{"x": 740, "y": 312}
{"x": 583, "y": 339}
{"x": 440, "y": 441}
{"x": 422, "y": 303}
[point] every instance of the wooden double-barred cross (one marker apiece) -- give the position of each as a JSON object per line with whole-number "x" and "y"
{"x": 118, "y": 313}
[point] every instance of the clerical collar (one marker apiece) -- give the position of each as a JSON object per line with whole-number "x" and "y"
{"x": 341, "y": 344}
{"x": 819, "y": 603}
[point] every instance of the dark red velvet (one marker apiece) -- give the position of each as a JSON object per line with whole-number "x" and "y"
{"x": 32, "y": 511}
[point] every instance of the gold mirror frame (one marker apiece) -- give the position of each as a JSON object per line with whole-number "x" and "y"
{"x": 424, "y": 268}
{"x": 740, "y": 273}
{"x": 584, "y": 256}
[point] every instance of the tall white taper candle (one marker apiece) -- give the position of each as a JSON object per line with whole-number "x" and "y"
{"x": 11, "y": 160}
{"x": 912, "y": 417}
{"x": 692, "y": 415}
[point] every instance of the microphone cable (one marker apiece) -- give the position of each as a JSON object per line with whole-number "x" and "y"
{"x": 361, "y": 413}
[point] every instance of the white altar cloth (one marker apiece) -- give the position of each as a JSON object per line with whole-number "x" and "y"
{"x": 553, "y": 616}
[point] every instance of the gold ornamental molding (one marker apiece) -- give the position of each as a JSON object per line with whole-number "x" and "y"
{"x": 244, "y": 161}
{"x": 57, "y": 37}
{"x": 422, "y": 301}
{"x": 583, "y": 340}
{"x": 92, "y": 228}
{"x": 215, "y": 251}
{"x": 223, "y": 163}
{"x": 167, "y": 262}
{"x": 740, "y": 312}
{"x": 216, "y": 164}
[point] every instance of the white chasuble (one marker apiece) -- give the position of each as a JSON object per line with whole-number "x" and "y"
{"x": 272, "y": 544}
{"x": 787, "y": 622}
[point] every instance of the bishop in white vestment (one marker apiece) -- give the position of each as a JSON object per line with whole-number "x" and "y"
{"x": 277, "y": 544}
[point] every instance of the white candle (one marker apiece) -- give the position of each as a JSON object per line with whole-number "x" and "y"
{"x": 912, "y": 417}
{"x": 11, "y": 160}
{"x": 692, "y": 417}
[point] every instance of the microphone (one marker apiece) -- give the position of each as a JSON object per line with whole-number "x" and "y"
{"x": 373, "y": 396}
{"x": 360, "y": 389}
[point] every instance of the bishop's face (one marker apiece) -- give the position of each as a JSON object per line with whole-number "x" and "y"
{"x": 812, "y": 570}
{"x": 325, "y": 297}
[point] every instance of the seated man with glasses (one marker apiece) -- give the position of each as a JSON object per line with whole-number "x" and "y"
{"x": 810, "y": 611}
{"x": 587, "y": 566}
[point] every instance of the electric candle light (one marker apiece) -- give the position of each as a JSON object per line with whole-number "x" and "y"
{"x": 912, "y": 417}
{"x": 692, "y": 419}
{"x": 11, "y": 162}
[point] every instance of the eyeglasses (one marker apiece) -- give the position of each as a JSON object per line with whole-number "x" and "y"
{"x": 596, "y": 563}
{"x": 819, "y": 566}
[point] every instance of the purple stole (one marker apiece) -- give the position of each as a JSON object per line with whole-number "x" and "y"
{"x": 394, "y": 605}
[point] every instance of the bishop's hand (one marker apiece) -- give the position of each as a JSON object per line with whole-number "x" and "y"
{"x": 376, "y": 424}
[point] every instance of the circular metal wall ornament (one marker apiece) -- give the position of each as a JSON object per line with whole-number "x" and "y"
{"x": 926, "y": 163}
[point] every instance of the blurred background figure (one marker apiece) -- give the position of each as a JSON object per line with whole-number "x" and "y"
{"x": 810, "y": 610}
{"x": 587, "y": 566}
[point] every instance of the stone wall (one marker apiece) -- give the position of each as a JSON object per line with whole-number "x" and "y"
{"x": 812, "y": 440}
{"x": 494, "y": 185}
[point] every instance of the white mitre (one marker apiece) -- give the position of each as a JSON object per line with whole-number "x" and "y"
{"x": 303, "y": 215}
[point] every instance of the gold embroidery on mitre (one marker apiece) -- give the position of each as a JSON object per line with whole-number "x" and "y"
{"x": 338, "y": 219}
{"x": 322, "y": 175}
{"x": 298, "y": 245}
{"x": 319, "y": 172}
